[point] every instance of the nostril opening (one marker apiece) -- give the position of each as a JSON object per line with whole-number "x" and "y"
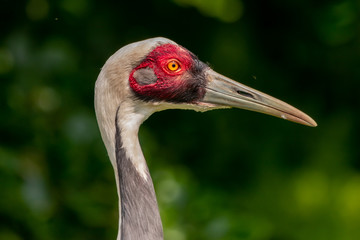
{"x": 245, "y": 94}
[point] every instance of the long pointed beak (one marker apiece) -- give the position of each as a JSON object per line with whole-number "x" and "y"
{"x": 224, "y": 92}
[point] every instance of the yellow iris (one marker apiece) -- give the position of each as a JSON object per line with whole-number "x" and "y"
{"x": 173, "y": 65}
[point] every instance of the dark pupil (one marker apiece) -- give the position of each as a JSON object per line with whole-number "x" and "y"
{"x": 173, "y": 65}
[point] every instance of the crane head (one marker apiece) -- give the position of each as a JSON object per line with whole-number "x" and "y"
{"x": 165, "y": 75}
{"x": 169, "y": 73}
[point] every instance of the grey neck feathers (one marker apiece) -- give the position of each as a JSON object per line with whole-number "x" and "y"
{"x": 140, "y": 217}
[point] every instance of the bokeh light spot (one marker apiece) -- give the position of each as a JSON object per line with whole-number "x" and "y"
{"x": 77, "y": 8}
{"x": 311, "y": 189}
{"x": 169, "y": 189}
{"x": 81, "y": 127}
{"x": 6, "y": 61}
{"x": 37, "y": 9}
{"x": 350, "y": 199}
{"x": 224, "y": 10}
{"x": 336, "y": 24}
{"x": 47, "y": 99}
{"x": 174, "y": 234}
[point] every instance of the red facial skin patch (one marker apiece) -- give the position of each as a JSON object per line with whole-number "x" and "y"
{"x": 181, "y": 85}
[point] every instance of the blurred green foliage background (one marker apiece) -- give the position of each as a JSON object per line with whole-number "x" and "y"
{"x": 227, "y": 174}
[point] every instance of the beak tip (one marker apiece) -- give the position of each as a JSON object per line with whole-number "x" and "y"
{"x": 301, "y": 118}
{"x": 313, "y": 124}
{"x": 310, "y": 122}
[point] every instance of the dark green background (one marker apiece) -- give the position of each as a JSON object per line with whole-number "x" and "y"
{"x": 226, "y": 174}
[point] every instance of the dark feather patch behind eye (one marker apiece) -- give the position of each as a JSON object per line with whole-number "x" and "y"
{"x": 145, "y": 76}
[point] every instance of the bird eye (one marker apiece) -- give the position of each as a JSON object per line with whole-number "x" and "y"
{"x": 173, "y": 65}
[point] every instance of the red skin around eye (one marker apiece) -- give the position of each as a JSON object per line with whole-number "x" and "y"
{"x": 170, "y": 84}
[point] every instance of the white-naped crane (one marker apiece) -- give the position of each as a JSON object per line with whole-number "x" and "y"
{"x": 149, "y": 76}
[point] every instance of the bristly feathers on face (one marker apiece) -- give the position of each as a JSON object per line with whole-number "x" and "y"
{"x": 169, "y": 73}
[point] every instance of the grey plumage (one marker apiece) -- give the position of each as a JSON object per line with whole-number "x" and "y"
{"x": 139, "y": 210}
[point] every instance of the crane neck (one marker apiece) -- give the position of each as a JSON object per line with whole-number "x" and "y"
{"x": 138, "y": 209}
{"x": 119, "y": 119}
